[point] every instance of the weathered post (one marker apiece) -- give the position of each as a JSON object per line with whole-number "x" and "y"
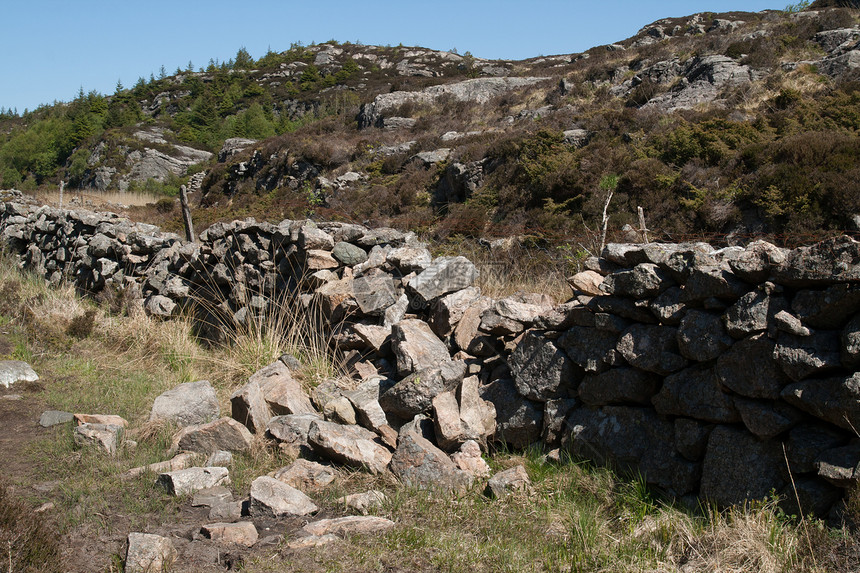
{"x": 642, "y": 228}
{"x": 186, "y": 213}
{"x": 62, "y": 184}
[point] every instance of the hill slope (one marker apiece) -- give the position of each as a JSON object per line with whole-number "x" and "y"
{"x": 726, "y": 124}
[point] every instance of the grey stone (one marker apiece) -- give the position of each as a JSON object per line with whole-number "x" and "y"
{"x": 291, "y": 429}
{"x": 668, "y": 308}
{"x": 160, "y": 306}
{"x": 589, "y": 348}
{"x": 349, "y": 525}
{"x": 242, "y": 533}
{"x": 695, "y": 393}
{"x": 149, "y": 553}
{"x": 448, "y": 310}
{"x": 518, "y": 421}
{"x": 444, "y": 275}
{"x": 374, "y": 292}
{"x": 645, "y": 280}
{"x": 12, "y": 371}
{"x": 767, "y": 419}
{"x": 827, "y": 309}
{"x": 305, "y": 475}
{"x": 362, "y": 502}
{"x": 651, "y": 348}
{"x": 541, "y": 370}
{"x": 809, "y": 496}
{"x": 365, "y": 400}
{"x": 414, "y": 394}
{"x": 822, "y": 264}
{"x": 348, "y": 254}
{"x": 211, "y": 496}
{"x": 836, "y": 399}
{"x": 739, "y": 467}
{"x": 274, "y": 498}
{"x": 755, "y": 263}
{"x": 350, "y": 445}
{"x": 850, "y": 354}
{"x": 840, "y": 466}
{"x": 102, "y": 436}
{"x": 250, "y": 408}
{"x": 416, "y": 347}
{"x": 802, "y": 356}
{"x": 410, "y": 259}
{"x": 787, "y": 322}
{"x": 632, "y": 440}
{"x": 555, "y": 413}
{"x": 54, "y": 418}
{"x": 418, "y": 463}
{"x": 509, "y": 480}
{"x": 691, "y": 438}
{"x": 221, "y": 434}
{"x": 749, "y": 314}
{"x": 765, "y": 380}
{"x": 282, "y": 392}
{"x": 807, "y": 441}
{"x": 713, "y": 282}
{"x": 618, "y": 386}
{"x": 221, "y": 458}
{"x": 189, "y": 480}
{"x": 187, "y": 404}
{"x": 701, "y": 336}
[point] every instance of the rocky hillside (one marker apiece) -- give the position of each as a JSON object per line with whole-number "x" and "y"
{"x": 727, "y": 125}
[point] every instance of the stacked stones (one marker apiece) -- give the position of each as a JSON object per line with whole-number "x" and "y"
{"x": 691, "y": 366}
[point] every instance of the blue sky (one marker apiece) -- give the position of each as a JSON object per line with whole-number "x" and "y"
{"x": 51, "y": 48}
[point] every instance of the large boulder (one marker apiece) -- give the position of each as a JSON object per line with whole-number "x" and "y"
{"x": 701, "y": 336}
{"x": 591, "y": 349}
{"x": 696, "y": 393}
{"x": 651, "y": 348}
{"x": 249, "y": 407}
{"x": 350, "y": 445}
{"x": 835, "y": 399}
{"x": 187, "y": 404}
{"x": 632, "y": 440}
{"x": 541, "y": 370}
{"x": 189, "y": 480}
{"x": 416, "y": 346}
{"x": 518, "y": 421}
{"x": 12, "y": 371}
{"x": 281, "y": 391}
{"x": 739, "y": 467}
{"x": 149, "y": 553}
{"x": 444, "y": 275}
{"x": 221, "y": 434}
{"x": 414, "y": 394}
{"x": 618, "y": 386}
{"x": 418, "y": 463}
{"x": 274, "y": 498}
{"x": 645, "y": 280}
{"x": 825, "y": 263}
{"x": 802, "y": 356}
{"x": 766, "y": 380}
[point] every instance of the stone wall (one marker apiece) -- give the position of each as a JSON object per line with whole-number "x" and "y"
{"x": 718, "y": 373}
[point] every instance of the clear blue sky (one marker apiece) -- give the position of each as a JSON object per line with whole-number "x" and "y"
{"x": 51, "y": 48}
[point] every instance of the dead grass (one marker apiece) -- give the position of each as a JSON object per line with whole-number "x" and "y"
{"x": 573, "y": 518}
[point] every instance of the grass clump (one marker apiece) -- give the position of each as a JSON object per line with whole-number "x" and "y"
{"x": 28, "y": 541}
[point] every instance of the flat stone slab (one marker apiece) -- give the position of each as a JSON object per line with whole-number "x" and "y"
{"x": 55, "y": 418}
{"x": 353, "y": 524}
{"x": 182, "y": 482}
{"x": 274, "y": 498}
{"x": 241, "y": 533}
{"x": 12, "y": 371}
{"x": 149, "y": 553}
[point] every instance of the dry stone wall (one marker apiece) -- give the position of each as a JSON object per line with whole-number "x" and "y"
{"x": 725, "y": 374}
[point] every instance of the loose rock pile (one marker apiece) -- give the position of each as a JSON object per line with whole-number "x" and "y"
{"x": 703, "y": 370}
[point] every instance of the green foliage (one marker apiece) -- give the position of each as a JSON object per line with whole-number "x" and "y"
{"x": 243, "y": 60}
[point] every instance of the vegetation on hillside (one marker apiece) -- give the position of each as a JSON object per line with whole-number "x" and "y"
{"x": 777, "y": 156}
